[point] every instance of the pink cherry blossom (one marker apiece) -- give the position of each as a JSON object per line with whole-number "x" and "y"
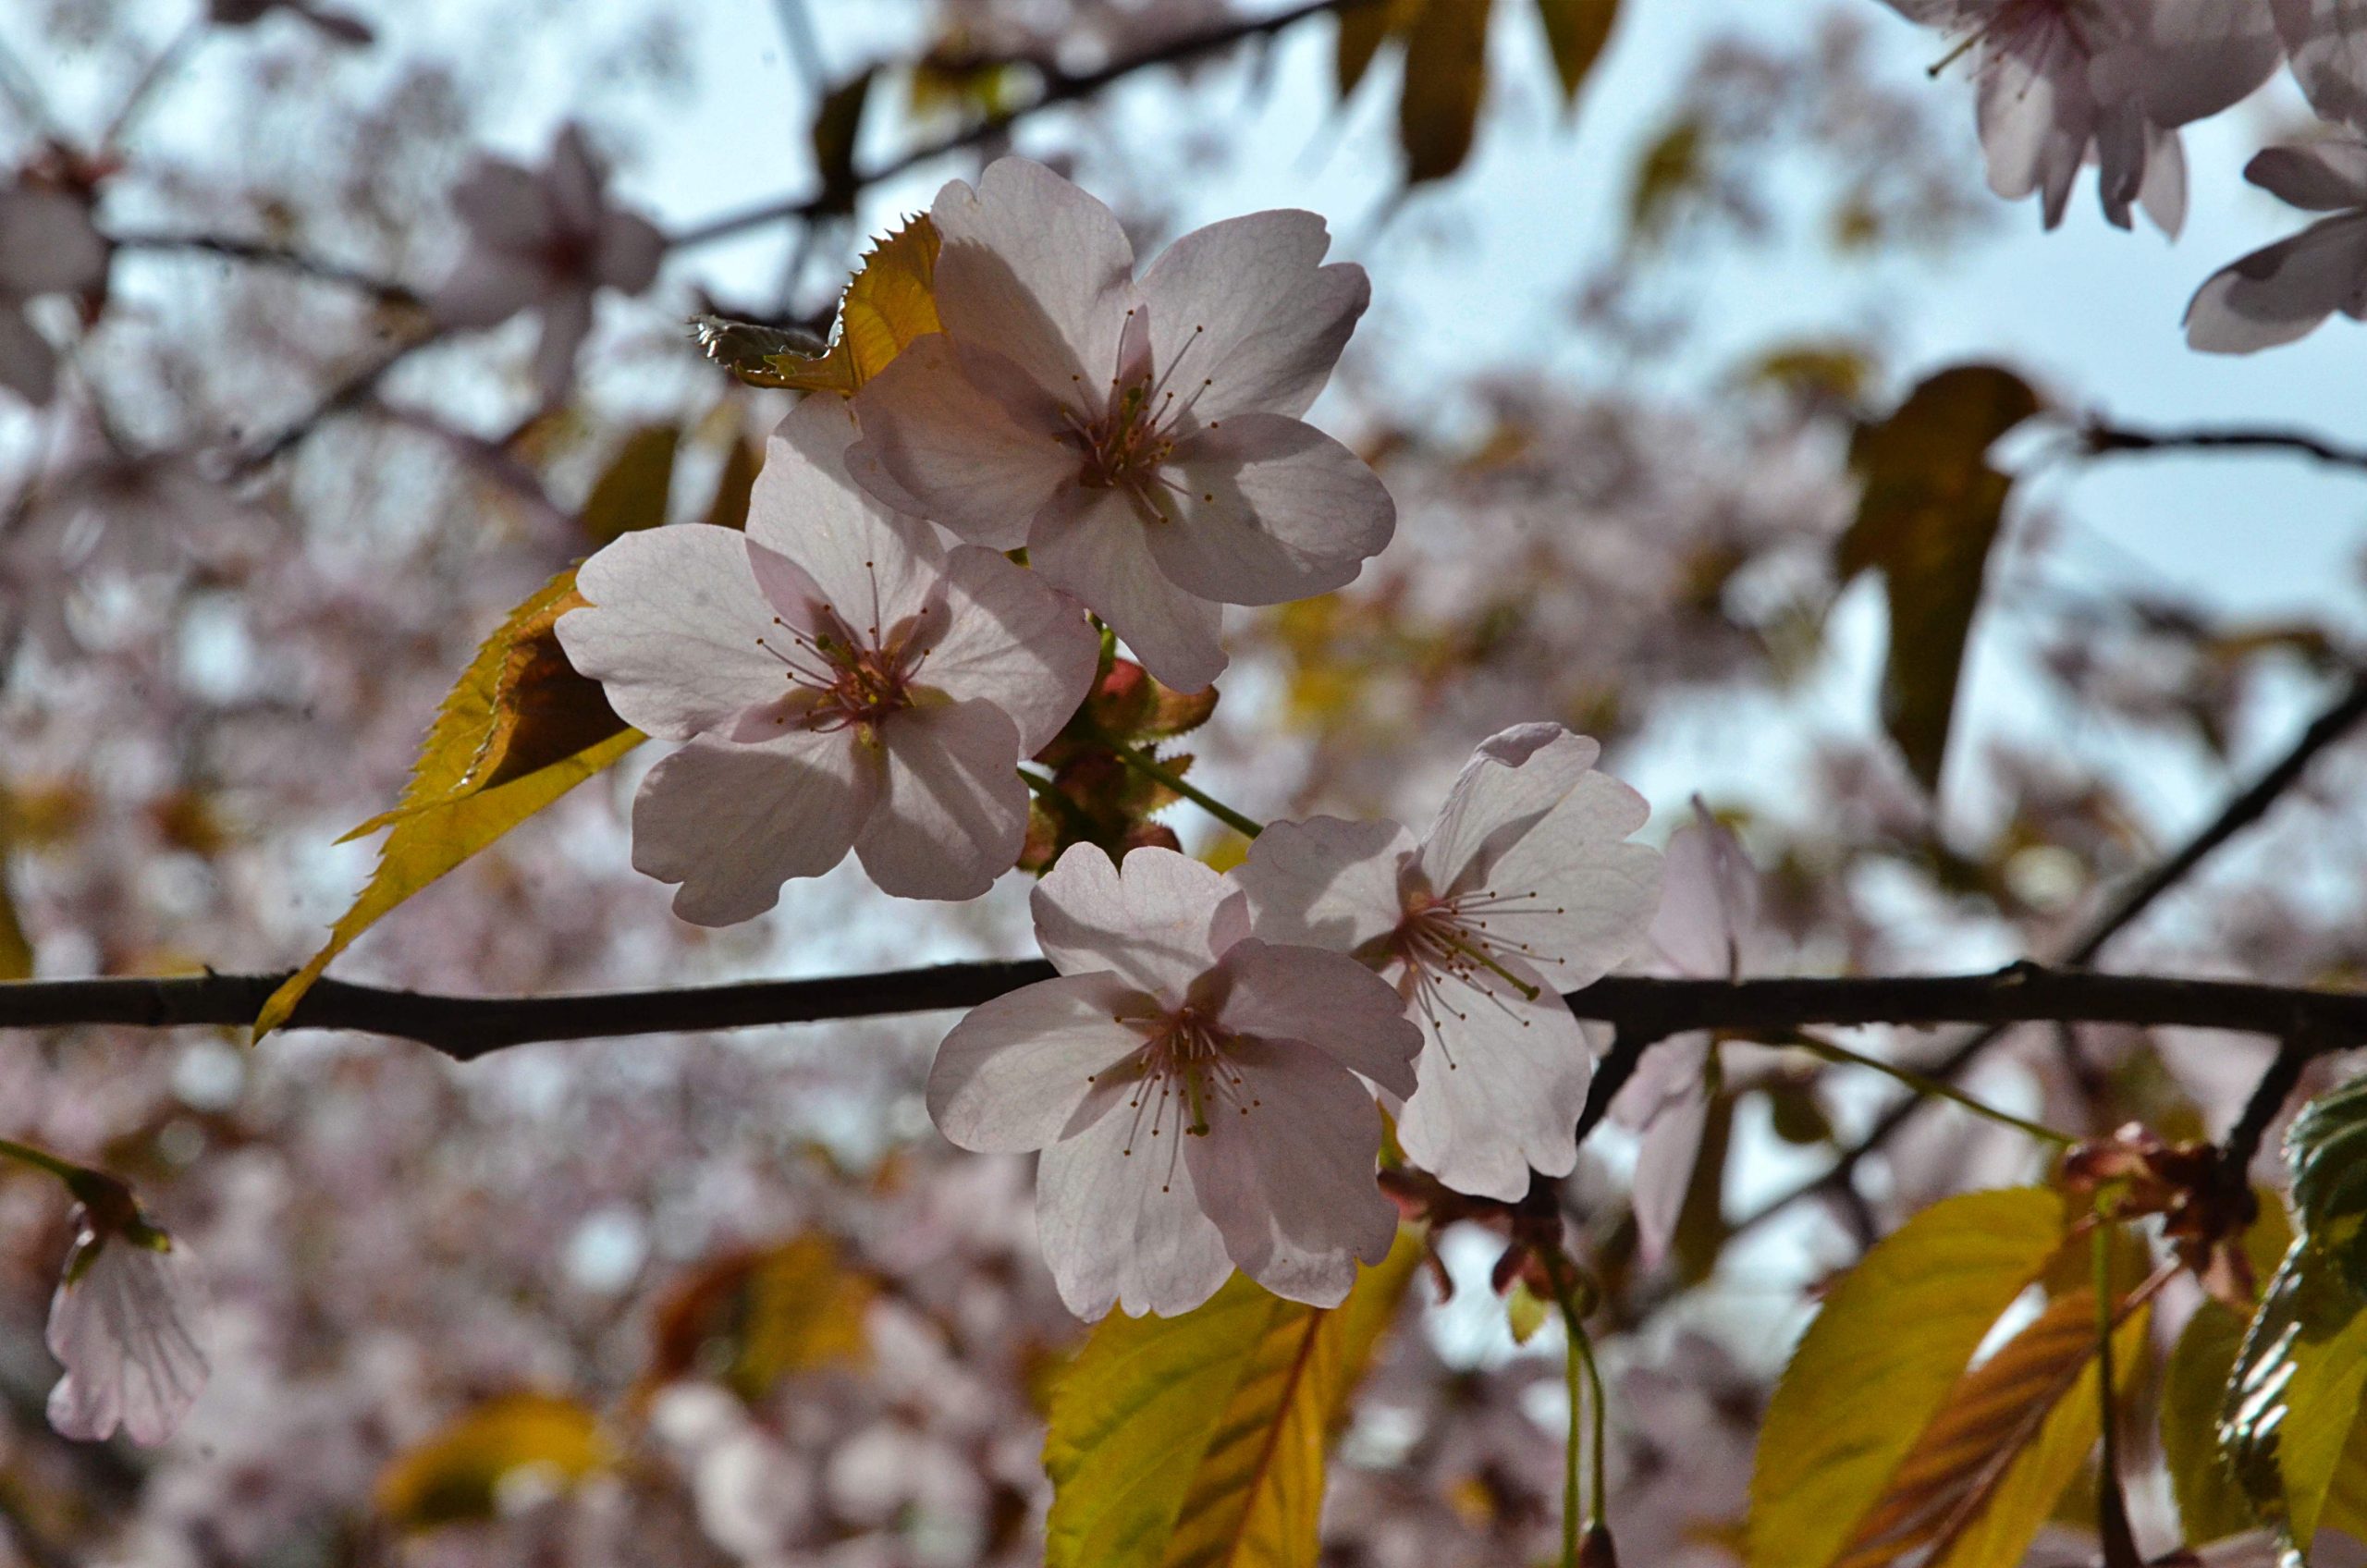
{"x": 1522, "y": 890}
{"x": 124, "y": 1324}
{"x": 1142, "y": 439}
{"x": 2325, "y": 42}
{"x": 48, "y": 245}
{"x": 1196, "y": 1091}
{"x": 845, "y": 680}
{"x": 2281, "y": 291}
{"x": 545, "y": 241}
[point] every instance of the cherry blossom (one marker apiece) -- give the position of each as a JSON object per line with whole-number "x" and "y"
{"x": 1142, "y": 439}
{"x": 1196, "y": 1091}
{"x": 337, "y": 25}
{"x": 1523, "y": 889}
{"x": 124, "y": 1323}
{"x": 48, "y": 245}
{"x": 545, "y": 241}
{"x": 2281, "y": 292}
{"x": 845, "y": 680}
{"x": 2326, "y": 42}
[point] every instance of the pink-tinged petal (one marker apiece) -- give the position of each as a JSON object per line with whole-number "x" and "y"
{"x": 2326, "y": 43}
{"x": 1286, "y": 1172}
{"x": 572, "y": 183}
{"x": 676, "y": 630}
{"x": 2282, "y": 291}
{"x": 1092, "y": 544}
{"x": 1036, "y": 269}
{"x": 48, "y": 243}
{"x": 2163, "y": 192}
{"x": 125, "y": 1333}
{"x": 732, "y": 823}
{"x": 1326, "y": 999}
{"x": 1013, "y": 640}
{"x": 1159, "y": 920}
{"x": 567, "y": 322}
{"x": 1325, "y": 882}
{"x": 953, "y": 809}
{"x": 1011, "y": 1075}
{"x": 1670, "y": 1148}
{"x": 1120, "y": 1220}
{"x": 1244, "y": 317}
{"x": 939, "y": 439}
{"x": 28, "y": 362}
{"x": 1503, "y": 1079}
{"x": 1667, "y": 1073}
{"x": 1571, "y": 897}
{"x": 1514, "y": 778}
{"x": 506, "y": 207}
{"x": 486, "y": 287}
{"x": 630, "y": 250}
{"x": 875, "y": 567}
{"x": 2320, "y": 176}
{"x": 1267, "y": 509}
{"x": 2036, "y": 125}
{"x": 2196, "y": 57}
{"x": 1708, "y": 924}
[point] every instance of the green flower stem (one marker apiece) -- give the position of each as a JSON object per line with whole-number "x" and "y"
{"x": 40, "y": 1159}
{"x": 1583, "y": 1379}
{"x": 1248, "y": 827}
{"x": 1835, "y": 1051}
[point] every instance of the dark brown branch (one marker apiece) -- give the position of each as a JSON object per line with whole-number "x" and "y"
{"x": 385, "y": 290}
{"x": 2104, "y": 440}
{"x": 1060, "y": 86}
{"x": 1641, "y": 1008}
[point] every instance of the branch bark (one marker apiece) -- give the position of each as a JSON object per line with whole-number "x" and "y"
{"x": 2100, "y": 439}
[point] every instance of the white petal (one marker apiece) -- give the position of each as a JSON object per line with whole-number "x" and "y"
{"x": 2163, "y": 194}
{"x": 27, "y": 363}
{"x": 1515, "y": 776}
{"x": 1036, "y": 269}
{"x": 942, "y": 434}
{"x": 486, "y": 287}
{"x": 1664, "y": 1161}
{"x": 1287, "y": 1172}
{"x": 1011, "y": 1075}
{"x": 567, "y": 321}
{"x": 673, "y": 630}
{"x": 1091, "y": 543}
{"x": 878, "y": 568}
{"x": 572, "y": 181}
{"x": 1503, "y": 1081}
{"x": 2281, "y": 291}
{"x": 1125, "y": 1228}
{"x": 1014, "y": 641}
{"x": 2200, "y": 56}
{"x": 1708, "y": 924}
{"x": 506, "y": 207}
{"x": 1159, "y": 920}
{"x": 1326, "y": 999}
{"x": 1325, "y": 882}
{"x": 1245, "y": 306}
{"x": 630, "y": 250}
{"x": 2326, "y": 43}
{"x": 1267, "y": 511}
{"x": 126, "y": 1334}
{"x": 732, "y": 823}
{"x": 1571, "y": 897}
{"x": 2320, "y": 176}
{"x": 953, "y": 809}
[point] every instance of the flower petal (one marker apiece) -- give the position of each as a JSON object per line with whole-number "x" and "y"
{"x": 1515, "y": 776}
{"x": 1092, "y": 544}
{"x": 1120, "y": 1222}
{"x": 1013, "y": 640}
{"x": 125, "y": 1332}
{"x": 28, "y": 362}
{"x": 1325, "y": 882}
{"x": 486, "y": 287}
{"x": 1708, "y": 923}
{"x": 1036, "y": 269}
{"x": 1670, "y": 1148}
{"x": 2318, "y": 176}
{"x": 48, "y": 243}
{"x": 2325, "y": 45}
{"x": 876, "y": 567}
{"x": 1011, "y": 1075}
{"x": 1159, "y": 920}
{"x": 1325, "y": 999}
{"x": 1287, "y": 1173}
{"x": 732, "y": 823}
{"x": 2281, "y": 291}
{"x": 506, "y": 207}
{"x": 630, "y": 250}
{"x": 567, "y": 315}
{"x": 1244, "y": 307}
{"x": 937, "y": 436}
{"x": 2200, "y": 56}
{"x": 1571, "y": 896}
{"x": 1503, "y": 1081}
{"x": 676, "y": 630}
{"x": 953, "y": 809}
{"x": 1268, "y": 510}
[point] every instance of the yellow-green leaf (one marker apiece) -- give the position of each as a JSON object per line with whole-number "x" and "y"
{"x": 518, "y": 731}
{"x": 460, "y": 1473}
{"x": 1363, "y": 30}
{"x": 1446, "y": 78}
{"x": 1576, "y": 31}
{"x": 1894, "y": 1337}
{"x": 890, "y": 302}
{"x": 835, "y": 125}
{"x": 2210, "y": 1504}
{"x": 1927, "y": 515}
{"x": 2294, "y": 1397}
{"x": 752, "y": 1318}
{"x": 735, "y": 485}
{"x": 2346, "y": 1504}
{"x": 632, "y": 491}
{"x": 1199, "y": 1441}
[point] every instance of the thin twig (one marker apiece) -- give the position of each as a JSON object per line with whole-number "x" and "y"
{"x": 385, "y": 290}
{"x": 2100, "y": 439}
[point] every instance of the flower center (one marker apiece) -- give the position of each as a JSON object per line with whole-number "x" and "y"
{"x": 1184, "y": 1080}
{"x": 1458, "y": 940}
{"x": 842, "y": 679}
{"x": 2029, "y": 28}
{"x": 1130, "y": 441}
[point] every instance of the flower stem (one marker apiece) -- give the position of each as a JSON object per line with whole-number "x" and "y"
{"x": 1248, "y": 827}
{"x": 1835, "y": 1051}
{"x": 40, "y": 1159}
{"x": 1578, "y": 1364}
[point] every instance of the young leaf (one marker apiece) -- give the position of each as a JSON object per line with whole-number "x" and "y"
{"x": 2327, "y": 1149}
{"x": 2294, "y": 1397}
{"x": 1576, "y": 31}
{"x": 1446, "y": 77}
{"x": 754, "y": 1318}
{"x": 1879, "y": 1362}
{"x": 518, "y": 731}
{"x": 458, "y": 1474}
{"x": 1363, "y": 30}
{"x": 887, "y": 305}
{"x": 631, "y": 493}
{"x": 1200, "y": 1440}
{"x": 2211, "y": 1505}
{"x": 1929, "y": 513}
{"x": 836, "y": 124}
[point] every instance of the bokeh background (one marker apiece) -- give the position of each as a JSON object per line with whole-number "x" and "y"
{"x": 728, "y": 1299}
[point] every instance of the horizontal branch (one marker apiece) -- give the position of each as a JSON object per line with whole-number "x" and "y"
{"x": 2103, "y": 440}
{"x": 385, "y": 290}
{"x": 1643, "y": 1009}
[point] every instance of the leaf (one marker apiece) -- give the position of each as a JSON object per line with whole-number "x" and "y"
{"x": 1576, "y": 31}
{"x": 1363, "y": 29}
{"x": 1927, "y": 515}
{"x": 836, "y": 122}
{"x": 1446, "y": 77}
{"x": 1879, "y": 1362}
{"x": 631, "y": 493}
{"x": 2346, "y": 1504}
{"x": 1983, "y": 1477}
{"x": 752, "y": 1318}
{"x": 735, "y": 485}
{"x": 2326, "y": 1147}
{"x": 887, "y": 305}
{"x": 1198, "y": 1441}
{"x": 460, "y": 1471}
{"x": 519, "y": 730}
{"x": 2294, "y": 1398}
{"x": 2211, "y": 1505}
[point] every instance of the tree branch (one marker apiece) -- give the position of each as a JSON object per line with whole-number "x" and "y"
{"x": 2100, "y": 439}
{"x": 385, "y": 290}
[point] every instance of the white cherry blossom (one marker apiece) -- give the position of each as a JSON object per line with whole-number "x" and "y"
{"x": 48, "y": 245}
{"x": 845, "y": 681}
{"x": 2281, "y": 292}
{"x": 1523, "y": 889}
{"x": 1197, "y": 1092}
{"x": 2326, "y": 42}
{"x": 1142, "y": 439}
{"x": 124, "y": 1323}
